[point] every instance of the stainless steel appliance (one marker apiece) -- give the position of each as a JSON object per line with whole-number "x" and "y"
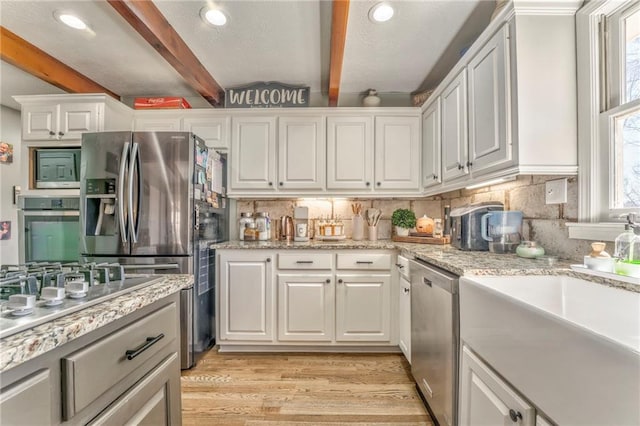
{"x": 435, "y": 337}
{"x": 154, "y": 202}
{"x": 49, "y": 229}
{"x": 36, "y": 293}
{"x": 56, "y": 167}
{"x": 286, "y": 228}
{"x": 466, "y": 233}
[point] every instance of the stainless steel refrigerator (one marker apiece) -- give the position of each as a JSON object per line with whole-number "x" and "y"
{"x": 155, "y": 202}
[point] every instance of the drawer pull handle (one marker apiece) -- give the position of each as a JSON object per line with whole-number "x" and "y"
{"x": 364, "y": 262}
{"x": 132, "y": 353}
{"x": 400, "y": 266}
{"x": 304, "y": 261}
{"x": 427, "y": 281}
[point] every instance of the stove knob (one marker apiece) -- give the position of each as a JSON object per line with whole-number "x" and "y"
{"x": 22, "y": 301}
{"x": 77, "y": 286}
{"x": 52, "y": 293}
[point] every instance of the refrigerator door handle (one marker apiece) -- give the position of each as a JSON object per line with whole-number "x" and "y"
{"x": 134, "y": 166}
{"x": 121, "y": 175}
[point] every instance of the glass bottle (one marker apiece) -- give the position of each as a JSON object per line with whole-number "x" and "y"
{"x": 245, "y": 218}
{"x": 338, "y": 228}
{"x": 251, "y": 232}
{"x": 623, "y": 244}
{"x": 437, "y": 228}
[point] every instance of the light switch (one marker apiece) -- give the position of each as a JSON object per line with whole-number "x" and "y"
{"x": 556, "y": 191}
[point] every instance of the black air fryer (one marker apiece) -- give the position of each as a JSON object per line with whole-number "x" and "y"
{"x": 465, "y": 225}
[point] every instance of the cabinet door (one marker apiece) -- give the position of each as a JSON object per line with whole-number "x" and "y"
{"x": 154, "y": 400}
{"x": 301, "y": 153}
{"x": 157, "y": 124}
{"x": 489, "y": 142}
{"x": 246, "y": 296}
{"x": 431, "y": 143}
{"x": 397, "y": 155}
{"x": 485, "y": 399}
{"x": 404, "y": 320}
{"x": 253, "y": 153}
{"x": 214, "y": 131}
{"x": 363, "y": 307}
{"x": 39, "y": 122}
{"x": 305, "y": 307}
{"x": 350, "y": 153}
{"x": 27, "y": 402}
{"x": 78, "y": 118}
{"x": 454, "y": 129}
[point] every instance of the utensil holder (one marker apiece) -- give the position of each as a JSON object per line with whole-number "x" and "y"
{"x": 357, "y": 228}
{"x": 373, "y": 233}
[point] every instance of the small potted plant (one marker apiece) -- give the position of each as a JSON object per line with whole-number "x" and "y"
{"x": 403, "y": 220}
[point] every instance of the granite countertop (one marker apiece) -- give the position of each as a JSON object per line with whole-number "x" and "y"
{"x": 28, "y": 344}
{"x": 444, "y": 256}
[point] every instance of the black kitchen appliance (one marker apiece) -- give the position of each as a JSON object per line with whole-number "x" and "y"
{"x": 466, "y": 233}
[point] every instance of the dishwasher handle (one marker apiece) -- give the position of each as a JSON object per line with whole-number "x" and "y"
{"x": 427, "y": 281}
{"x": 433, "y": 277}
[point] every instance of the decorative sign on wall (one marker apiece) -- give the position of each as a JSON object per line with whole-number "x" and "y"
{"x": 268, "y": 94}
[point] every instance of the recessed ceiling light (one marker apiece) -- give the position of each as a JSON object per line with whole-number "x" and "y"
{"x": 381, "y": 12}
{"x": 70, "y": 20}
{"x": 214, "y": 17}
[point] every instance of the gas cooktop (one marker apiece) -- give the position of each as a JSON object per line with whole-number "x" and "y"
{"x": 37, "y": 293}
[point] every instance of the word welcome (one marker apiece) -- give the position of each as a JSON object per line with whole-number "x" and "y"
{"x": 267, "y": 95}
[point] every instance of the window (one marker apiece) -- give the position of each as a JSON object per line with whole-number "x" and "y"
{"x": 608, "y": 54}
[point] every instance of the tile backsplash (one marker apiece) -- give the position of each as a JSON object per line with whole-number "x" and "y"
{"x": 542, "y": 223}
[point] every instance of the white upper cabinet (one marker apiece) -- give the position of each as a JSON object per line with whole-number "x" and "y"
{"x": 253, "y": 153}
{"x": 431, "y": 144}
{"x": 454, "y": 128}
{"x": 67, "y": 117}
{"x": 350, "y": 152}
{"x": 157, "y": 124}
{"x": 489, "y": 142}
{"x": 213, "y": 130}
{"x": 301, "y": 153}
{"x": 397, "y": 153}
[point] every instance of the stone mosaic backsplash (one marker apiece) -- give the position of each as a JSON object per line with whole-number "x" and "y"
{"x": 542, "y": 223}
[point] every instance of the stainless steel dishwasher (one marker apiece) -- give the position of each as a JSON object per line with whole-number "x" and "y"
{"x": 435, "y": 333}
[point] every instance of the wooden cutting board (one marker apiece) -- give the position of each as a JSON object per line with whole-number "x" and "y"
{"x": 422, "y": 240}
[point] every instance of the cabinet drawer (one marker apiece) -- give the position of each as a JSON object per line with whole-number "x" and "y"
{"x": 367, "y": 261}
{"x": 91, "y": 371}
{"x": 305, "y": 261}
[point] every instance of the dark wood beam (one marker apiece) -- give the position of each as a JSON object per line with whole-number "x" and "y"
{"x": 149, "y": 22}
{"x": 24, "y": 55}
{"x": 340, "y": 16}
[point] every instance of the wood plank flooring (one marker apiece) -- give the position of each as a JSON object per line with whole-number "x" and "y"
{"x": 301, "y": 389}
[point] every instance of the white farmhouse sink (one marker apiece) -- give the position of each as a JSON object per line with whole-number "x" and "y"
{"x": 570, "y": 346}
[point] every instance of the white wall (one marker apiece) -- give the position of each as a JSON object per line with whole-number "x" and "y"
{"x": 10, "y": 132}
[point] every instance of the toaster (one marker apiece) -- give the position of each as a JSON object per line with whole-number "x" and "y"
{"x": 465, "y": 225}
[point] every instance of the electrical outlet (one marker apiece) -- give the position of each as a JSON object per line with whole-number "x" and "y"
{"x": 556, "y": 191}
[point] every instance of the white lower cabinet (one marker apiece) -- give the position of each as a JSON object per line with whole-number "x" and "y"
{"x": 485, "y": 399}
{"x": 320, "y": 298}
{"x": 246, "y": 296}
{"x": 363, "y": 307}
{"x": 306, "y": 307}
{"x": 404, "y": 317}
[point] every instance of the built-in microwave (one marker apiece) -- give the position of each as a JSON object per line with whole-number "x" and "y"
{"x": 56, "y": 167}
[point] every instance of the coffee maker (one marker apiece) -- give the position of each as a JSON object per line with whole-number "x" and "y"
{"x": 301, "y": 223}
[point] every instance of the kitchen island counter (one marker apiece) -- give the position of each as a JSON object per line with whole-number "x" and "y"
{"x": 447, "y": 257}
{"x": 26, "y": 345}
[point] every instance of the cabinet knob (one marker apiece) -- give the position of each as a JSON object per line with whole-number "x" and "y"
{"x": 60, "y": 133}
{"x": 378, "y": 183}
{"x": 268, "y": 259}
{"x": 280, "y": 183}
{"x": 52, "y": 133}
{"x": 368, "y": 183}
{"x": 514, "y": 415}
{"x": 406, "y": 290}
{"x": 328, "y": 281}
{"x": 469, "y": 164}
{"x": 435, "y": 176}
{"x": 460, "y": 166}
{"x": 340, "y": 281}
{"x": 270, "y": 183}
{"x": 400, "y": 266}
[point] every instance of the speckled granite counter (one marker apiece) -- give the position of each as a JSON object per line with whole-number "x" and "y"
{"x": 444, "y": 256}
{"x": 26, "y": 345}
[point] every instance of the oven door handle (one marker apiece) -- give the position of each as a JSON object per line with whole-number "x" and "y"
{"x": 69, "y": 213}
{"x": 121, "y": 175}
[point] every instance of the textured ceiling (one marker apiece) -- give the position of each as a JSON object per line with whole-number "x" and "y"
{"x": 14, "y": 81}
{"x": 264, "y": 40}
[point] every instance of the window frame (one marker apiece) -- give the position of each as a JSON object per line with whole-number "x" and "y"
{"x": 594, "y": 126}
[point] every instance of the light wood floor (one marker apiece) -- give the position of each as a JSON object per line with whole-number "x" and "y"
{"x": 301, "y": 389}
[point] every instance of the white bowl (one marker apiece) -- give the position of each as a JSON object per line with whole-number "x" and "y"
{"x": 603, "y": 264}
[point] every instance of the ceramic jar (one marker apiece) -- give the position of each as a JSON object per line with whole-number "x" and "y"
{"x": 371, "y": 100}
{"x": 529, "y": 249}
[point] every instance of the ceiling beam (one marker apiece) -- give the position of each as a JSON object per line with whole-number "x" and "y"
{"x": 340, "y": 16}
{"x": 24, "y": 55}
{"x": 149, "y": 22}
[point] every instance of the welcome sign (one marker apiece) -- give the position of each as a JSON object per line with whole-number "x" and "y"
{"x": 271, "y": 94}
